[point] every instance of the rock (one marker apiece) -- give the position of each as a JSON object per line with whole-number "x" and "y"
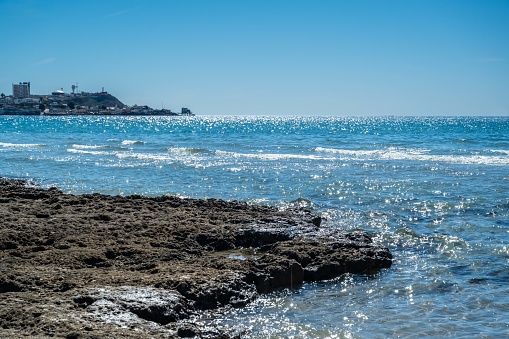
{"x": 85, "y": 266}
{"x": 272, "y": 272}
{"x": 327, "y": 257}
{"x": 189, "y": 330}
{"x": 270, "y": 230}
{"x": 233, "y": 290}
{"x": 125, "y": 304}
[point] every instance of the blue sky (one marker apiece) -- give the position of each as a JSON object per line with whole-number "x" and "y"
{"x": 278, "y": 57}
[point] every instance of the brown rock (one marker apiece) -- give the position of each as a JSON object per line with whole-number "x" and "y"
{"x": 95, "y": 265}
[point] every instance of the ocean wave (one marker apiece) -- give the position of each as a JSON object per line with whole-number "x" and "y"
{"x": 188, "y": 150}
{"x": 269, "y": 156}
{"x": 144, "y": 156}
{"x": 8, "y": 144}
{"x": 78, "y": 146}
{"x": 136, "y": 158}
{"x": 83, "y": 151}
{"x": 164, "y": 159}
{"x": 500, "y": 151}
{"x": 417, "y": 155}
{"x": 101, "y": 147}
{"x": 133, "y": 142}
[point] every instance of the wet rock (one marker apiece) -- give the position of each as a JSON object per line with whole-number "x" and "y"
{"x": 189, "y": 330}
{"x": 124, "y": 305}
{"x": 102, "y": 266}
{"x": 326, "y": 257}
{"x": 234, "y": 291}
{"x": 272, "y": 230}
{"x": 7, "y": 285}
{"x": 275, "y": 272}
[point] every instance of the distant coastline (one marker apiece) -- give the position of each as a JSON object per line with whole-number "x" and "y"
{"x": 115, "y": 112}
{"x": 60, "y": 103}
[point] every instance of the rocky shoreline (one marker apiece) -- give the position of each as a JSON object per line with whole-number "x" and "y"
{"x": 93, "y": 265}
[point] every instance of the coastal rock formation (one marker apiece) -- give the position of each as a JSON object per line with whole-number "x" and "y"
{"x": 95, "y": 265}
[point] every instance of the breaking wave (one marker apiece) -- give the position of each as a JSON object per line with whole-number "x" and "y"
{"x": 133, "y": 142}
{"x": 8, "y": 144}
{"x": 415, "y": 155}
{"x": 188, "y": 150}
{"x": 269, "y": 156}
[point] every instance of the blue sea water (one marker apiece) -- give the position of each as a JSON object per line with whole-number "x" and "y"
{"x": 434, "y": 190}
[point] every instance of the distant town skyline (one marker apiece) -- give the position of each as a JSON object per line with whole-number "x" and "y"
{"x": 23, "y": 102}
{"x": 288, "y": 57}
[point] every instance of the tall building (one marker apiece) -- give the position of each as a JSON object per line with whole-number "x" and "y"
{"x": 186, "y": 111}
{"x": 21, "y": 91}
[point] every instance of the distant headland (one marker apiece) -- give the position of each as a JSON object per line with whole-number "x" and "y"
{"x": 22, "y": 102}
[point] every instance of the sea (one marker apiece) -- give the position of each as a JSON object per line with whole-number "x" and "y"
{"x": 434, "y": 190}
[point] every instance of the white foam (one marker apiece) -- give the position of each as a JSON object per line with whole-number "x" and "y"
{"x": 506, "y": 152}
{"x": 151, "y": 158}
{"x": 133, "y": 142}
{"x": 78, "y": 146}
{"x": 346, "y": 151}
{"x": 8, "y": 144}
{"x": 187, "y": 150}
{"x": 268, "y": 156}
{"x": 416, "y": 155}
{"x": 143, "y": 156}
{"x": 82, "y": 151}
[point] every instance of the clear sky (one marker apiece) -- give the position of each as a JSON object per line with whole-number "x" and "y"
{"x": 266, "y": 57}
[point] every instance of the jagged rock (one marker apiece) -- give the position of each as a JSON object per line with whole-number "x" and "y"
{"x": 327, "y": 257}
{"x": 232, "y": 290}
{"x": 95, "y": 265}
{"x": 275, "y": 272}
{"x": 127, "y": 304}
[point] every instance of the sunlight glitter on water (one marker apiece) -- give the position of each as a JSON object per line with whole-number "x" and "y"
{"x": 434, "y": 190}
